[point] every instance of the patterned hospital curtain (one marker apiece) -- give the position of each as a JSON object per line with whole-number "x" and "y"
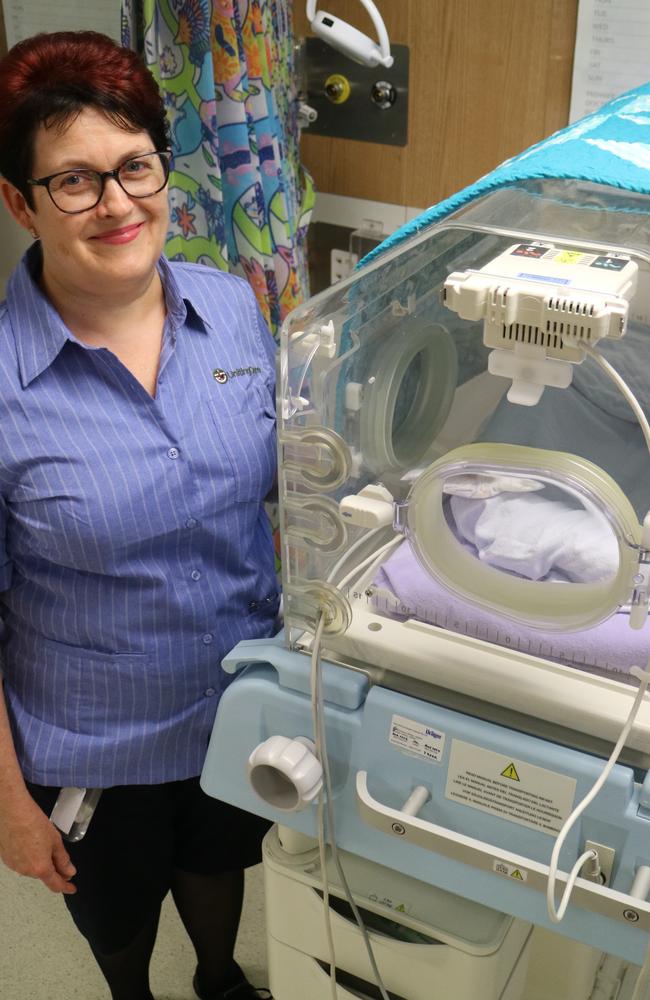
{"x": 239, "y": 198}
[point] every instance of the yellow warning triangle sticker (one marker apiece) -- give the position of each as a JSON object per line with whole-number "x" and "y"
{"x": 401, "y": 908}
{"x": 517, "y": 874}
{"x": 510, "y": 772}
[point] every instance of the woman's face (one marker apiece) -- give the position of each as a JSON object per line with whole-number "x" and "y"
{"x": 115, "y": 244}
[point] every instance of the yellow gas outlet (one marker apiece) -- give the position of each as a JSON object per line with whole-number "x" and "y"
{"x": 337, "y": 88}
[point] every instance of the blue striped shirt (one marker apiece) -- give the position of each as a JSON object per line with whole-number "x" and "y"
{"x": 135, "y": 550}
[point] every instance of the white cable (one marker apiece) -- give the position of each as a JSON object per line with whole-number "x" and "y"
{"x": 366, "y": 562}
{"x": 366, "y": 536}
{"x": 322, "y": 848}
{"x": 621, "y": 385}
{"x": 380, "y": 28}
{"x": 337, "y": 861}
{"x": 644, "y": 677}
{"x": 318, "y": 722}
{"x": 383, "y": 40}
{"x": 557, "y": 915}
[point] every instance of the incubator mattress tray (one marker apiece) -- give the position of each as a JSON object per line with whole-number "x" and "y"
{"x": 562, "y": 685}
{"x": 402, "y": 589}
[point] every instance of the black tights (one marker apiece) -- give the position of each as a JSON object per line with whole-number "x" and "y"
{"x": 210, "y": 908}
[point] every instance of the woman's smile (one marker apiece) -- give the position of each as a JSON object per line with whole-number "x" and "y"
{"x": 123, "y": 235}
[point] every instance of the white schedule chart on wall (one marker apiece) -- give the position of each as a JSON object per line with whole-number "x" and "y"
{"x": 27, "y": 17}
{"x": 612, "y": 52}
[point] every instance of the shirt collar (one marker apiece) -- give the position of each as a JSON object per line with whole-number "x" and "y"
{"x": 39, "y": 331}
{"x": 183, "y": 307}
{"x": 41, "y": 334}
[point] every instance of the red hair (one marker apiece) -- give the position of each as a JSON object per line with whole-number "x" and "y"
{"x": 46, "y": 80}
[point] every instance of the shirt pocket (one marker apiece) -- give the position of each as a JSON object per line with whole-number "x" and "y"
{"x": 83, "y": 690}
{"x": 244, "y": 418}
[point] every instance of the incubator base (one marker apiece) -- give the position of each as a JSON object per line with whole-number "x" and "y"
{"x": 428, "y": 943}
{"x": 496, "y": 797}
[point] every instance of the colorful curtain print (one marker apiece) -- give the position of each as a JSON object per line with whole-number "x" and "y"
{"x": 239, "y": 199}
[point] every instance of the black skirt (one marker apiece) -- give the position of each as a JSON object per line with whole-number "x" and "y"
{"x": 138, "y": 835}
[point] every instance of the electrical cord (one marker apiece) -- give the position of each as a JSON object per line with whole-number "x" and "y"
{"x": 370, "y": 559}
{"x": 377, "y": 21}
{"x": 315, "y": 682}
{"x": 591, "y": 857}
{"x": 318, "y": 722}
{"x": 620, "y": 384}
{"x": 556, "y": 915}
{"x": 365, "y": 537}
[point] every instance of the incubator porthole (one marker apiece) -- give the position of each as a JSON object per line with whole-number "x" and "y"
{"x": 544, "y": 538}
{"x": 408, "y": 397}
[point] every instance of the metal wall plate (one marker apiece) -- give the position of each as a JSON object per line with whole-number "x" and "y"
{"x": 363, "y": 103}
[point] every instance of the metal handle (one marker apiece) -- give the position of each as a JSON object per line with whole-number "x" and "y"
{"x": 476, "y": 853}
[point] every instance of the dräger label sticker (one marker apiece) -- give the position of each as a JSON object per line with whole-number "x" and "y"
{"x": 548, "y": 278}
{"x": 509, "y": 787}
{"x": 510, "y": 871}
{"x": 416, "y": 738}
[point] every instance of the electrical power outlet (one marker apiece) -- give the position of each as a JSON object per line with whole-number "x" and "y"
{"x": 342, "y": 264}
{"x": 606, "y": 857}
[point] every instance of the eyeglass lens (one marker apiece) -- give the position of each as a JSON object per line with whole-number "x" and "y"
{"x": 76, "y": 190}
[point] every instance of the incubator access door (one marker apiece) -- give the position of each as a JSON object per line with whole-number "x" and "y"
{"x": 464, "y": 470}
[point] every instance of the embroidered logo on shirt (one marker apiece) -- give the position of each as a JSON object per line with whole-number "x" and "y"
{"x": 221, "y": 376}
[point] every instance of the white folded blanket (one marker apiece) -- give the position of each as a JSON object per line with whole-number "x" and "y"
{"x": 538, "y": 538}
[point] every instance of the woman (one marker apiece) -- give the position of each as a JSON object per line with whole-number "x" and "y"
{"x": 136, "y": 407}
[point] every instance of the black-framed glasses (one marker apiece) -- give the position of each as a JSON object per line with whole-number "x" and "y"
{"x": 74, "y": 191}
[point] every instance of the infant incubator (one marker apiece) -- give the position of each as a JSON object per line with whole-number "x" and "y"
{"x": 454, "y": 463}
{"x": 464, "y": 483}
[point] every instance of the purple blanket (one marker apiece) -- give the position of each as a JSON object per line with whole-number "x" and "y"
{"x": 611, "y": 647}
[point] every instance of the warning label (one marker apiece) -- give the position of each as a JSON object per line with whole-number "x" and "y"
{"x": 512, "y": 789}
{"x": 569, "y": 257}
{"x": 416, "y": 738}
{"x": 510, "y": 772}
{"x": 511, "y": 871}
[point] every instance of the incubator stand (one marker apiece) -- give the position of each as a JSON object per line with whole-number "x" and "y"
{"x": 428, "y": 943}
{"x": 463, "y": 499}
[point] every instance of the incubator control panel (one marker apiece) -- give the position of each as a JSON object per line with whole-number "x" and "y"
{"x": 541, "y": 295}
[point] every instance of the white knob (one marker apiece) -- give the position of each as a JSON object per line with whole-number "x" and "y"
{"x": 286, "y": 772}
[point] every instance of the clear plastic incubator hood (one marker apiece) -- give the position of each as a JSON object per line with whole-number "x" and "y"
{"x": 464, "y": 471}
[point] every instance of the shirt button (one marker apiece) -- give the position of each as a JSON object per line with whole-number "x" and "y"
{"x": 207, "y": 638}
{"x": 195, "y": 574}
{"x": 209, "y": 692}
{"x": 191, "y": 522}
{"x": 173, "y": 453}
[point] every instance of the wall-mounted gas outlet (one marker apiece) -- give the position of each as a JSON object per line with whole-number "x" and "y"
{"x": 351, "y": 101}
{"x": 342, "y": 263}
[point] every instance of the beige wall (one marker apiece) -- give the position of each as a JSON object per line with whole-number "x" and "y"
{"x": 13, "y": 243}
{"x": 488, "y": 79}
